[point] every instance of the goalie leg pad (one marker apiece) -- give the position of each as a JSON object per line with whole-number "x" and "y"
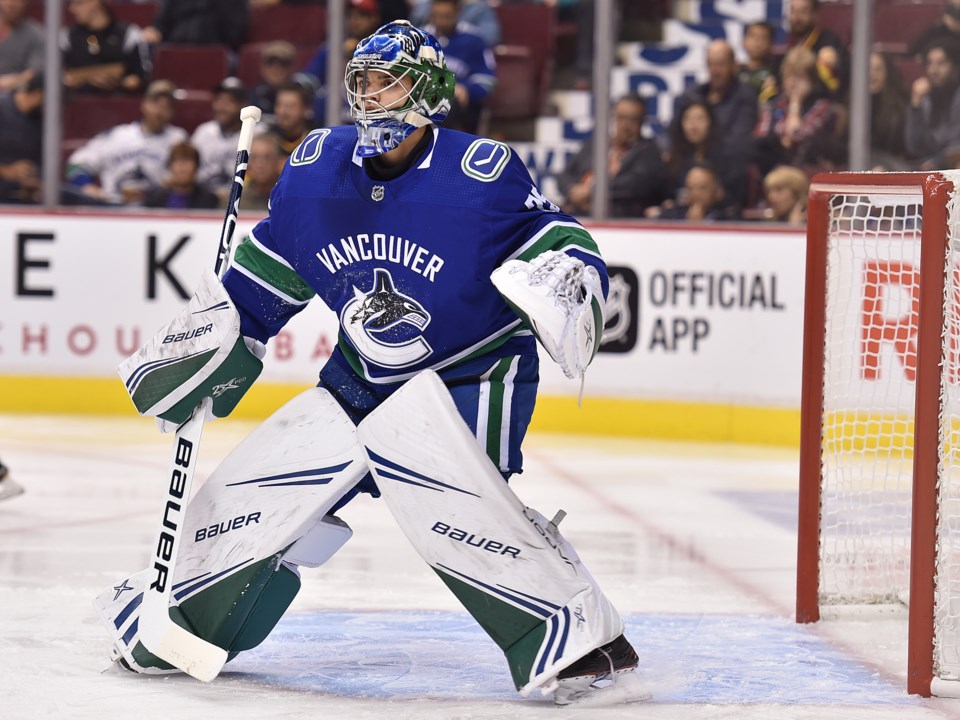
{"x": 510, "y": 567}
{"x": 262, "y": 512}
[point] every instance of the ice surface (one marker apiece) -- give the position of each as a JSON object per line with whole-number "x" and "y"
{"x": 695, "y": 545}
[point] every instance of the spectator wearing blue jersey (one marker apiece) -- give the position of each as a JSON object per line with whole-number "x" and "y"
{"x": 470, "y": 59}
{"x": 477, "y": 14}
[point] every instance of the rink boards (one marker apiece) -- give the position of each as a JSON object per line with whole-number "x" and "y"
{"x": 703, "y": 337}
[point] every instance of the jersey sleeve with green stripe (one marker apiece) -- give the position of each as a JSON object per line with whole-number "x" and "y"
{"x": 542, "y": 227}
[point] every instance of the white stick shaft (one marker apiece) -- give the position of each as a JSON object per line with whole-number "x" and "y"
{"x": 158, "y": 632}
{"x": 248, "y": 123}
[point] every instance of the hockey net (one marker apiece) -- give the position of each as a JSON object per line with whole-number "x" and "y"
{"x": 880, "y": 438}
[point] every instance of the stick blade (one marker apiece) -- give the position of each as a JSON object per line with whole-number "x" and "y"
{"x": 176, "y": 645}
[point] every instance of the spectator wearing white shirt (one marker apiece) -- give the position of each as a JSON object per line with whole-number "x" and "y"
{"x": 120, "y": 165}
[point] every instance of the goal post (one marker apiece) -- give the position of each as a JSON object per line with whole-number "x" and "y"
{"x": 879, "y": 504}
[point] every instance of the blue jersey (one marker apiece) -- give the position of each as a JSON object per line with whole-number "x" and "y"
{"x": 405, "y": 263}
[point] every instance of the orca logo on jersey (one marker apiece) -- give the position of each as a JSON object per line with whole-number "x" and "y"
{"x": 385, "y": 326}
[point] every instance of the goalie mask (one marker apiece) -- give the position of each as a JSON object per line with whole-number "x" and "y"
{"x": 397, "y": 81}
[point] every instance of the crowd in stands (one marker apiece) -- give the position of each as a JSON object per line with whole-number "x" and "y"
{"x": 170, "y": 77}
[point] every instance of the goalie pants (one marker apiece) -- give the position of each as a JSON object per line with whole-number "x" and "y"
{"x": 494, "y": 395}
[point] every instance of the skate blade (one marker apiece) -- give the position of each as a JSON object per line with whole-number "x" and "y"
{"x": 626, "y": 688}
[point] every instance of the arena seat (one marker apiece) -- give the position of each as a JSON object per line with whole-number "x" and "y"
{"x": 86, "y": 115}
{"x": 890, "y": 19}
{"x": 515, "y": 96}
{"x": 140, "y": 14}
{"x": 838, "y": 17}
{"x": 193, "y": 107}
{"x": 298, "y": 24}
{"x": 197, "y": 67}
{"x": 531, "y": 26}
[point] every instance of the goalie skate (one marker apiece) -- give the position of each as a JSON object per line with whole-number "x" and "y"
{"x": 8, "y": 488}
{"x": 603, "y": 677}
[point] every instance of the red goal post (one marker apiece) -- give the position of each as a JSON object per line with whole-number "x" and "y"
{"x": 879, "y": 514}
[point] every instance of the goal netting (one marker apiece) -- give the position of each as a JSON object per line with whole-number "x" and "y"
{"x": 880, "y": 445}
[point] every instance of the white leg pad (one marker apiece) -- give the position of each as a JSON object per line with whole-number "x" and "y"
{"x": 271, "y": 493}
{"x": 466, "y": 522}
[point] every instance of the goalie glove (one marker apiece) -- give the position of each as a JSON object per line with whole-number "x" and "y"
{"x": 199, "y": 354}
{"x": 561, "y": 300}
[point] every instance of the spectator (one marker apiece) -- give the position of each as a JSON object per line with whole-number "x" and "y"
{"x": 933, "y": 117}
{"x": 797, "y": 126}
{"x": 475, "y": 16}
{"x": 292, "y": 117}
{"x": 276, "y": 70}
{"x": 702, "y": 199}
{"x": 785, "y": 189}
{"x": 888, "y": 114}
{"x": 21, "y": 45}
{"x": 200, "y": 22}
{"x": 696, "y": 143}
{"x": 121, "y": 164}
{"x": 181, "y": 190}
{"x": 758, "y": 71}
{"x": 734, "y": 104}
{"x": 21, "y": 142}
{"x": 216, "y": 139}
{"x": 469, "y": 58}
{"x": 263, "y": 170}
{"x": 101, "y": 53}
{"x": 945, "y": 33}
{"x": 363, "y": 18}
{"x": 831, "y": 55}
{"x": 635, "y": 167}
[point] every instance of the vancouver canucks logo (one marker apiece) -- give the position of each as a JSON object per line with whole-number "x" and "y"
{"x": 385, "y": 326}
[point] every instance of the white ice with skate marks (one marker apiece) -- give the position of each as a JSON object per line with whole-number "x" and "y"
{"x": 694, "y": 544}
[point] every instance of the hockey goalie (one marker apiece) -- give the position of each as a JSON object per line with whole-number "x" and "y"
{"x": 445, "y": 266}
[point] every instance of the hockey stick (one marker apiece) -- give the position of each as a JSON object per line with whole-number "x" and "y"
{"x": 158, "y": 632}
{"x": 249, "y": 117}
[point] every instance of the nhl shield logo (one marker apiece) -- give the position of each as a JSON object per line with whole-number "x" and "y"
{"x": 377, "y": 193}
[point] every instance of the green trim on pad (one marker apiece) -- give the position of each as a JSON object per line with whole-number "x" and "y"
{"x": 157, "y": 384}
{"x": 514, "y": 631}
